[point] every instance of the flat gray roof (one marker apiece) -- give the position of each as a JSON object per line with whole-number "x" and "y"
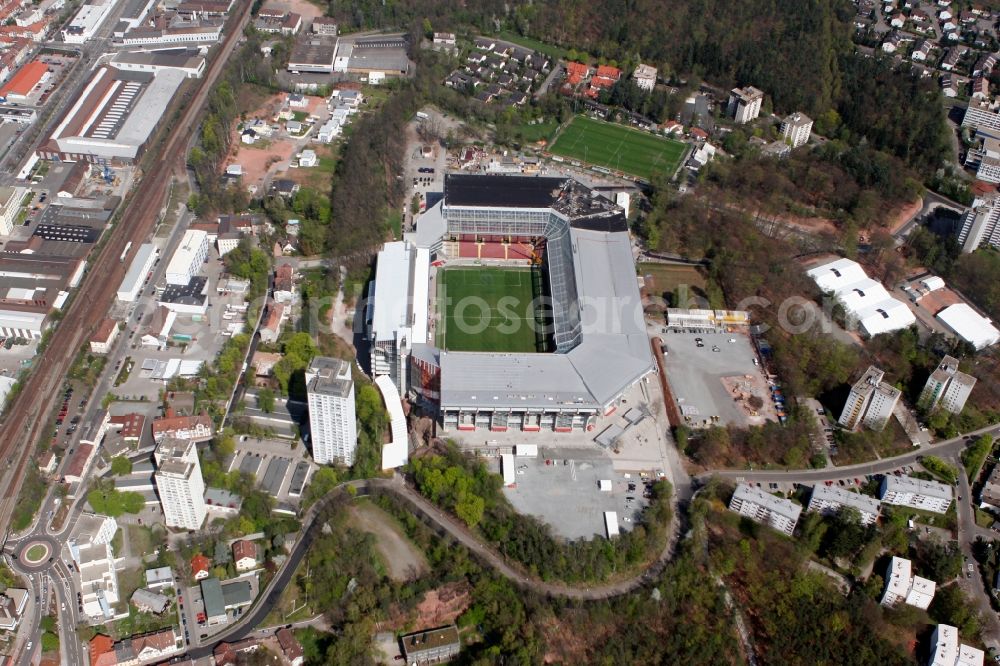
{"x": 378, "y": 59}
{"x": 777, "y": 505}
{"x": 137, "y": 269}
{"x": 862, "y": 503}
{"x": 329, "y": 376}
{"x": 250, "y": 464}
{"x": 908, "y": 484}
{"x": 211, "y": 595}
{"x": 152, "y": 103}
{"x": 275, "y": 475}
{"x": 237, "y": 593}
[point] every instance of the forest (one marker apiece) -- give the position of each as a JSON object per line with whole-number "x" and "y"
{"x": 799, "y": 53}
{"x": 678, "y": 619}
{"x": 462, "y": 484}
{"x": 724, "y": 565}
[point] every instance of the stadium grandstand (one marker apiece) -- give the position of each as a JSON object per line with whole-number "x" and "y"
{"x": 594, "y": 346}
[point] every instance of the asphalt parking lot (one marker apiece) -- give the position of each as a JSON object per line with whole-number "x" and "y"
{"x": 566, "y": 496}
{"x": 695, "y": 373}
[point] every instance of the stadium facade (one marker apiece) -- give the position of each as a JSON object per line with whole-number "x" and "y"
{"x": 599, "y": 340}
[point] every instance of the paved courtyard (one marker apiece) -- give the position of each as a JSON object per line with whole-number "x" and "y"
{"x": 703, "y": 379}
{"x": 565, "y": 494}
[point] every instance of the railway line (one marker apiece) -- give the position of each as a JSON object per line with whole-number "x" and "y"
{"x": 28, "y": 415}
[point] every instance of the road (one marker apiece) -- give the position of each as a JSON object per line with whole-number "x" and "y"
{"x": 446, "y": 525}
{"x": 946, "y": 449}
{"x": 968, "y": 531}
{"x": 932, "y": 201}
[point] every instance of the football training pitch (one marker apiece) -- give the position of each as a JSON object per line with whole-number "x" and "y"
{"x": 618, "y": 148}
{"x": 489, "y": 309}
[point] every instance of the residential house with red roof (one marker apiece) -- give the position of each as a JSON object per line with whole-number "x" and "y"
{"x": 245, "y": 555}
{"x": 129, "y": 426}
{"x": 196, "y": 428}
{"x": 200, "y": 566}
{"x": 290, "y": 646}
{"x": 576, "y": 72}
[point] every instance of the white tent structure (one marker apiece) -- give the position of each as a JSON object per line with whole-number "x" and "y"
{"x": 969, "y": 325}
{"x": 865, "y": 300}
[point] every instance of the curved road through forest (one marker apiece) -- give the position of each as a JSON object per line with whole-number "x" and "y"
{"x": 446, "y": 525}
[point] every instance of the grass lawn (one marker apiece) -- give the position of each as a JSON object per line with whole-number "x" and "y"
{"x": 396, "y": 223}
{"x": 488, "y": 309}
{"x": 32, "y": 492}
{"x": 618, "y": 148}
{"x": 300, "y": 116}
{"x": 983, "y": 519}
{"x": 548, "y": 49}
{"x": 36, "y": 552}
{"x": 668, "y": 277}
{"x": 534, "y": 133}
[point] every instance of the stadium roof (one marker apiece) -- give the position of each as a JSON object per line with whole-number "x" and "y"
{"x": 501, "y": 191}
{"x": 614, "y": 352}
{"x": 969, "y": 325}
{"x": 401, "y": 287}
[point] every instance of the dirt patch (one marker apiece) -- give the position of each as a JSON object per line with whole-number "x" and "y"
{"x": 902, "y": 214}
{"x": 268, "y": 154}
{"x": 938, "y": 300}
{"x": 402, "y": 559}
{"x": 307, "y": 10}
{"x": 443, "y": 605}
{"x": 751, "y": 394}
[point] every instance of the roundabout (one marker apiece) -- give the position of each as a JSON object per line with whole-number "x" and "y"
{"x": 35, "y": 554}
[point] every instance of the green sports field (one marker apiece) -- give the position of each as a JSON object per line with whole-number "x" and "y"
{"x": 489, "y": 309}
{"x": 618, "y": 148}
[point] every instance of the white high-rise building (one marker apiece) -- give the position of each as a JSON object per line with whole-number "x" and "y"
{"x": 947, "y": 387}
{"x": 645, "y": 77}
{"x": 332, "y": 424}
{"x": 796, "y": 129}
{"x": 947, "y": 651}
{"x": 179, "y": 483}
{"x": 980, "y": 227}
{"x": 188, "y": 258}
{"x": 744, "y": 104}
{"x": 902, "y": 586}
{"x": 870, "y": 402}
{"x": 10, "y": 206}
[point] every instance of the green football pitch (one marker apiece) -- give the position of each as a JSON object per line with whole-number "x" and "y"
{"x": 489, "y": 309}
{"x": 618, "y": 148}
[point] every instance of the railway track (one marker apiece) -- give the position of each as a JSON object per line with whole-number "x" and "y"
{"x": 27, "y": 417}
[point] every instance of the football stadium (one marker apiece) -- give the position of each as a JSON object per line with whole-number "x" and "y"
{"x": 514, "y": 306}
